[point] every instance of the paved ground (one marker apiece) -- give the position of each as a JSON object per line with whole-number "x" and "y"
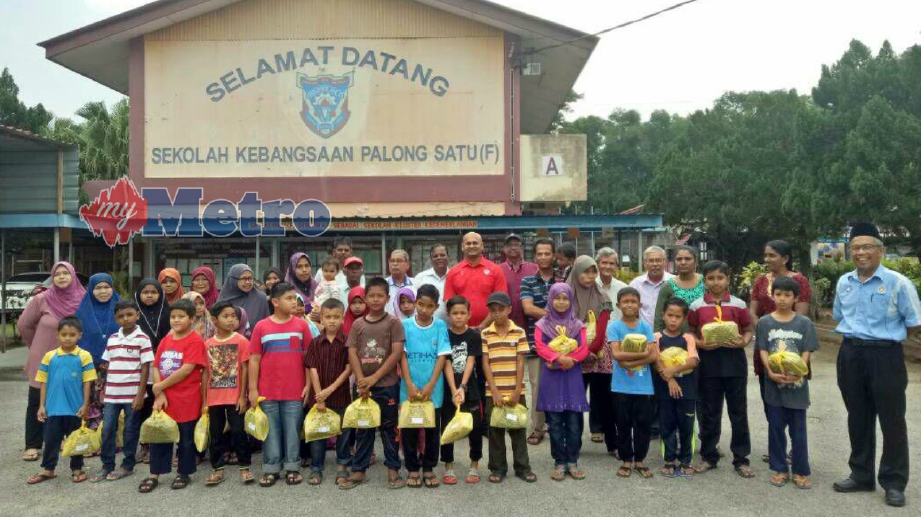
{"x": 717, "y": 493}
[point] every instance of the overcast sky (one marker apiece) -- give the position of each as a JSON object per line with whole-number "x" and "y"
{"x": 680, "y": 61}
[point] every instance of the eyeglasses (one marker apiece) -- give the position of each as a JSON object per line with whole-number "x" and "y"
{"x": 247, "y": 280}
{"x": 864, "y": 247}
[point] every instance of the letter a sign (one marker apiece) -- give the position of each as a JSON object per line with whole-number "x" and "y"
{"x": 552, "y": 165}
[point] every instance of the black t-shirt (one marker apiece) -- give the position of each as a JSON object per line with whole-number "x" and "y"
{"x": 688, "y": 381}
{"x": 462, "y": 345}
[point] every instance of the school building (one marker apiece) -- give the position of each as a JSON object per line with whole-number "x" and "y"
{"x": 414, "y": 121}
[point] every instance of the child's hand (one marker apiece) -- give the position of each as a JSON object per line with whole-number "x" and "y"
{"x": 412, "y": 393}
{"x": 792, "y": 379}
{"x": 160, "y": 403}
{"x": 497, "y": 400}
{"x": 321, "y": 396}
{"x": 364, "y": 393}
{"x": 42, "y": 415}
{"x": 736, "y": 342}
{"x": 566, "y": 362}
{"x": 459, "y": 397}
{"x": 777, "y": 377}
{"x": 305, "y": 393}
{"x": 426, "y": 392}
{"x": 514, "y": 398}
{"x": 321, "y": 406}
{"x": 253, "y": 397}
{"x": 84, "y": 409}
{"x": 241, "y": 403}
{"x": 674, "y": 389}
{"x": 157, "y": 389}
{"x": 666, "y": 374}
{"x": 138, "y": 403}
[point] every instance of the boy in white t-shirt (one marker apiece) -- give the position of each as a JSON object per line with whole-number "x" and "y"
{"x": 128, "y": 356}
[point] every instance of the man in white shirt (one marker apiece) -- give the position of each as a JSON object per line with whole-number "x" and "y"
{"x": 398, "y": 279}
{"x": 342, "y": 249}
{"x": 608, "y": 263}
{"x": 435, "y": 275}
{"x": 650, "y": 283}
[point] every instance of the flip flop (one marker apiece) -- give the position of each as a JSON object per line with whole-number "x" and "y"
{"x": 395, "y": 481}
{"x": 413, "y": 480}
{"x": 473, "y": 477}
{"x": 530, "y": 477}
{"x": 575, "y": 472}
{"x": 643, "y": 471}
{"x": 744, "y": 471}
{"x": 450, "y": 478}
{"x": 597, "y": 437}
{"x": 31, "y": 454}
{"x": 100, "y": 476}
{"x": 115, "y": 475}
{"x": 215, "y": 479}
{"x": 180, "y": 482}
{"x": 559, "y": 474}
{"x": 624, "y": 471}
{"x": 315, "y": 478}
{"x": 535, "y": 438}
{"x": 430, "y": 480}
{"x": 147, "y": 486}
{"x": 78, "y": 476}
{"x": 293, "y": 477}
{"x": 349, "y": 483}
{"x": 780, "y": 479}
{"x": 495, "y": 477}
{"x": 268, "y": 480}
{"x": 40, "y": 478}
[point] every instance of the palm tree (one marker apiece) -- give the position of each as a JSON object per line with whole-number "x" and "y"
{"x": 104, "y": 136}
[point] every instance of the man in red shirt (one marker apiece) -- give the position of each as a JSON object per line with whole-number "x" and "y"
{"x": 475, "y": 278}
{"x": 515, "y": 268}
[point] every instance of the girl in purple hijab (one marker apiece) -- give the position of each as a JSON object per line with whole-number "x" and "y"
{"x": 300, "y": 275}
{"x": 562, "y": 391}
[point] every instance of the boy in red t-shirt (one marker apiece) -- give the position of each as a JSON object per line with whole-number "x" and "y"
{"x": 178, "y": 390}
{"x": 277, "y": 372}
{"x": 228, "y": 353}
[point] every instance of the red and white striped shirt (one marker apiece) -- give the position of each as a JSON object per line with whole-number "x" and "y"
{"x": 125, "y": 355}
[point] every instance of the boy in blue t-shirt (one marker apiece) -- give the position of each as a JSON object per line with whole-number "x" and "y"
{"x": 66, "y": 374}
{"x": 631, "y": 384}
{"x": 426, "y": 351}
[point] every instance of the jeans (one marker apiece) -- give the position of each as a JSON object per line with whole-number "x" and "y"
{"x": 220, "y": 416}
{"x": 565, "y": 436}
{"x": 713, "y": 390}
{"x": 676, "y": 421}
{"x": 55, "y": 429}
{"x": 779, "y": 419}
{"x": 343, "y": 449}
{"x": 538, "y": 419}
{"x": 386, "y": 398}
{"x": 872, "y": 381}
{"x": 110, "y": 412}
{"x": 635, "y": 414}
{"x": 161, "y": 454}
{"x": 498, "y": 462}
{"x": 283, "y": 444}
{"x": 35, "y": 430}
{"x": 603, "y": 417}
{"x": 475, "y": 438}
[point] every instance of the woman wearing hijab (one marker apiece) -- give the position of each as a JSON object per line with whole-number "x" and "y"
{"x": 562, "y": 392}
{"x": 171, "y": 281}
{"x": 38, "y": 326}
{"x": 269, "y": 279}
{"x": 97, "y": 314}
{"x": 598, "y": 367}
{"x": 239, "y": 290}
{"x": 203, "y": 284}
{"x": 357, "y": 308}
{"x": 153, "y": 310}
{"x": 300, "y": 275}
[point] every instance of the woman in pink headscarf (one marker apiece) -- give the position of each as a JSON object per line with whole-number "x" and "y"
{"x": 203, "y": 284}
{"x": 38, "y": 327}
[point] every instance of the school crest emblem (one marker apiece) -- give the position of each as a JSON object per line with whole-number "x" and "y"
{"x": 325, "y": 102}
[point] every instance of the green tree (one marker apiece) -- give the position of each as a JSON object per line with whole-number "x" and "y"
{"x": 14, "y": 113}
{"x": 104, "y": 135}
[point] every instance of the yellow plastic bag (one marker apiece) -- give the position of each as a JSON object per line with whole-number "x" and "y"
{"x": 635, "y": 344}
{"x": 255, "y": 421}
{"x": 590, "y": 324}
{"x": 509, "y": 417}
{"x": 719, "y": 331}
{"x": 159, "y": 428}
{"x": 203, "y": 431}
{"x": 362, "y": 414}
{"x": 562, "y": 344}
{"x": 320, "y": 425}
{"x": 783, "y": 361}
{"x": 82, "y": 442}
{"x": 417, "y": 414}
{"x": 674, "y": 356}
{"x": 458, "y": 428}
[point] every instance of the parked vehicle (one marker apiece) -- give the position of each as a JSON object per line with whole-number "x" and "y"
{"x": 22, "y": 287}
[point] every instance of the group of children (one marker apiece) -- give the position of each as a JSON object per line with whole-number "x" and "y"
{"x": 359, "y": 350}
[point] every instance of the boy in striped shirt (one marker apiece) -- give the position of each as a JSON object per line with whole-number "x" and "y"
{"x": 128, "y": 355}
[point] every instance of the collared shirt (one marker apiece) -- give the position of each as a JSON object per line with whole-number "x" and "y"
{"x": 329, "y": 359}
{"x": 64, "y": 373}
{"x": 394, "y": 289}
{"x": 502, "y": 351}
{"x": 125, "y": 355}
{"x": 724, "y": 361}
{"x": 535, "y": 288}
{"x": 476, "y": 283}
{"x": 513, "y": 278}
{"x": 612, "y": 289}
{"x": 882, "y": 308}
{"x": 649, "y": 295}
{"x": 429, "y": 276}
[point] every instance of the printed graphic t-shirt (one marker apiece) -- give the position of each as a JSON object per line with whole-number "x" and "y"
{"x": 227, "y": 359}
{"x": 631, "y": 382}
{"x": 281, "y": 367}
{"x": 423, "y": 346}
{"x": 373, "y": 341}
{"x": 183, "y": 399}
{"x": 468, "y": 344}
{"x": 797, "y": 336}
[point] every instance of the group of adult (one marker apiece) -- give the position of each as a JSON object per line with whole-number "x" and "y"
{"x": 874, "y": 306}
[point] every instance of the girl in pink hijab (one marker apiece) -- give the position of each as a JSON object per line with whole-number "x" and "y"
{"x": 38, "y": 327}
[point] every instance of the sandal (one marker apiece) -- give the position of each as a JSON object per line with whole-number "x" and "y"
{"x": 745, "y": 471}
{"x": 575, "y": 472}
{"x": 100, "y": 476}
{"x": 394, "y": 480}
{"x": 348, "y": 483}
{"x": 246, "y": 476}
{"x": 293, "y": 477}
{"x": 779, "y": 479}
{"x": 473, "y": 477}
{"x": 643, "y": 471}
{"x": 450, "y": 478}
{"x": 801, "y": 482}
{"x": 530, "y": 477}
{"x": 268, "y": 480}
{"x": 559, "y": 474}
{"x": 495, "y": 477}
{"x": 215, "y": 479}
{"x": 147, "y": 486}
{"x": 341, "y": 474}
{"x": 704, "y": 467}
{"x": 31, "y": 455}
{"x": 668, "y": 470}
{"x": 430, "y": 480}
{"x": 624, "y": 471}
{"x": 78, "y": 476}
{"x": 597, "y": 437}
{"x": 115, "y": 475}
{"x": 41, "y": 477}
{"x": 315, "y": 478}
{"x": 180, "y": 482}
{"x": 413, "y": 480}
{"x": 535, "y": 438}
{"x": 685, "y": 471}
